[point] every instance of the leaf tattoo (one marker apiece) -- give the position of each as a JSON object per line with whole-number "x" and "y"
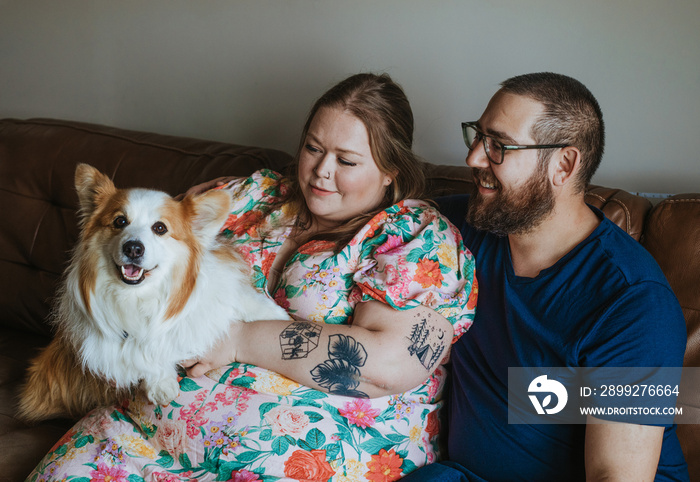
{"x": 340, "y": 374}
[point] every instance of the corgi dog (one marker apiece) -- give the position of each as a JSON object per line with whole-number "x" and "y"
{"x": 151, "y": 283}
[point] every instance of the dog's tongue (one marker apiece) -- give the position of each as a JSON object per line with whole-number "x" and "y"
{"x": 131, "y": 270}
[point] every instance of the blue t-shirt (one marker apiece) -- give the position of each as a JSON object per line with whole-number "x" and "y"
{"x": 604, "y": 304}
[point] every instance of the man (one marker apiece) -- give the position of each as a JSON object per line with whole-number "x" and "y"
{"x": 559, "y": 286}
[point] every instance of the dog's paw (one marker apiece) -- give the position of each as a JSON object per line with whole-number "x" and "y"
{"x": 164, "y": 391}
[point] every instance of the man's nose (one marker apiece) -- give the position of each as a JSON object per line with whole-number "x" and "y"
{"x": 477, "y": 157}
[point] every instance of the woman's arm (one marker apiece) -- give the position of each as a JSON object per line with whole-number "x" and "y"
{"x": 385, "y": 351}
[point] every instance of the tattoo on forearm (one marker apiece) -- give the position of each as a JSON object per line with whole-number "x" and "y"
{"x": 427, "y": 343}
{"x": 340, "y": 374}
{"x": 299, "y": 339}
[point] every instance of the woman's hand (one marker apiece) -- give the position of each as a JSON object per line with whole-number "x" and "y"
{"x": 222, "y": 353}
{"x": 205, "y": 186}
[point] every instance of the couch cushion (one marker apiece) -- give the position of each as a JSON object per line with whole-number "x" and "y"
{"x": 38, "y": 200}
{"x": 22, "y": 446}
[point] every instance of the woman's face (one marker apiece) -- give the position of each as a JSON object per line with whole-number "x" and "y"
{"x": 337, "y": 173}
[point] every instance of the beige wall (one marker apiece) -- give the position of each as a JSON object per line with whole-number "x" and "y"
{"x": 247, "y": 71}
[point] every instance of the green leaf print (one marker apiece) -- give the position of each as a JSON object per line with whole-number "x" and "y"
{"x": 374, "y": 445}
{"x": 396, "y": 438}
{"x": 332, "y": 451}
{"x": 291, "y": 291}
{"x": 314, "y": 416}
{"x": 266, "y": 435}
{"x": 135, "y": 478}
{"x": 166, "y": 460}
{"x": 408, "y": 466}
{"x": 247, "y": 457}
{"x": 415, "y": 255}
{"x": 315, "y": 438}
{"x": 118, "y": 416}
{"x": 266, "y": 407}
{"x": 189, "y": 385}
{"x": 83, "y": 441}
{"x": 185, "y": 461}
{"x": 280, "y": 445}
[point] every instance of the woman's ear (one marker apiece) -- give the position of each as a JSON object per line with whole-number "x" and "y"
{"x": 389, "y": 178}
{"x": 567, "y": 163}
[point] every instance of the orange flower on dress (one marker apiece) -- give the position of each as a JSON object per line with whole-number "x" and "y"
{"x": 384, "y": 467}
{"x": 471, "y": 303}
{"x": 245, "y": 223}
{"x": 432, "y": 426}
{"x": 428, "y": 273}
{"x": 267, "y": 264}
{"x": 318, "y": 246}
{"x": 308, "y": 466}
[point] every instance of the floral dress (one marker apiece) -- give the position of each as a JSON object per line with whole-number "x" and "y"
{"x": 244, "y": 423}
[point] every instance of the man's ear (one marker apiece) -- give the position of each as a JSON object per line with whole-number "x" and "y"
{"x": 566, "y": 165}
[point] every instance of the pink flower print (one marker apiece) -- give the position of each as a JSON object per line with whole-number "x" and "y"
{"x": 243, "y": 476}
{"x": 355, "y": 296}
{"x": 397, "y": 281}
{"x": 359, "y": 412}
{"x": 287, "y": 421}
{"x": 194, "y": 419}
{"x": 201, "y": 396}
{"x": 234, "y": 395}
{"x": 392, "y": 242}
{"x": 172, "y": 436}
{"x": 104, "y": 473}
{"x": 165, "y": 477}
{"x": 281, "y": 298}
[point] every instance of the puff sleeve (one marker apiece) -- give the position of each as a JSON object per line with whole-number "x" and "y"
{"x": 410, "y": 255}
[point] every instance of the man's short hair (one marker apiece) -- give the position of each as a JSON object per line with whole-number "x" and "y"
{"x": 571, "y": 116}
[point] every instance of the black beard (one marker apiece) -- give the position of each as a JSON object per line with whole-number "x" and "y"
{"x": 517, "y": 212}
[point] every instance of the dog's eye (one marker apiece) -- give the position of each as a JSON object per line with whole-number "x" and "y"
{"x": 120, "y": 222}
{"x": 159, "y": 228}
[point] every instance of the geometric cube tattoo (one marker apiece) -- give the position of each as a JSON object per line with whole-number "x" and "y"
{"x": 299, "y": 339}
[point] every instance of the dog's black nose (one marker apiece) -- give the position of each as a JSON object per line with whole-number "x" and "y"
{"x": 133, "y": 249}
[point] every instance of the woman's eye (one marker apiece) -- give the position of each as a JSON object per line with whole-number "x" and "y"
{"x": 346, "y": 163}
{"x": 311, "y": 148}
{"x": 120, "y": 222}
{"x": 159, "y": 228}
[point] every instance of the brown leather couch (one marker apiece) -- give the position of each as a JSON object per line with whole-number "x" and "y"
{"x": 38, "y": 204}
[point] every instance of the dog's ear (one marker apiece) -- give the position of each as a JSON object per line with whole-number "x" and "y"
{"x": 91, "y": 185}
{"x": 210, "y": 210}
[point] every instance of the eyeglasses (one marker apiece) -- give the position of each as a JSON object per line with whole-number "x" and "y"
{"x": 495, "y": 150}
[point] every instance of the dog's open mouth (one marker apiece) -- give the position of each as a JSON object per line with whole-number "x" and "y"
{"x": 132, "y": 274}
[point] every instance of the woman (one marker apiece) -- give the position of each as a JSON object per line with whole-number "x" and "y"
{"x": 378, "y": 285}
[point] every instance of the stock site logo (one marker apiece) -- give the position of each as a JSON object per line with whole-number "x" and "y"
{"x": 541, "y": 385}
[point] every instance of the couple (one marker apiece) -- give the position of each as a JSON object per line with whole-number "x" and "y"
{"x": 381, "y": 288}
